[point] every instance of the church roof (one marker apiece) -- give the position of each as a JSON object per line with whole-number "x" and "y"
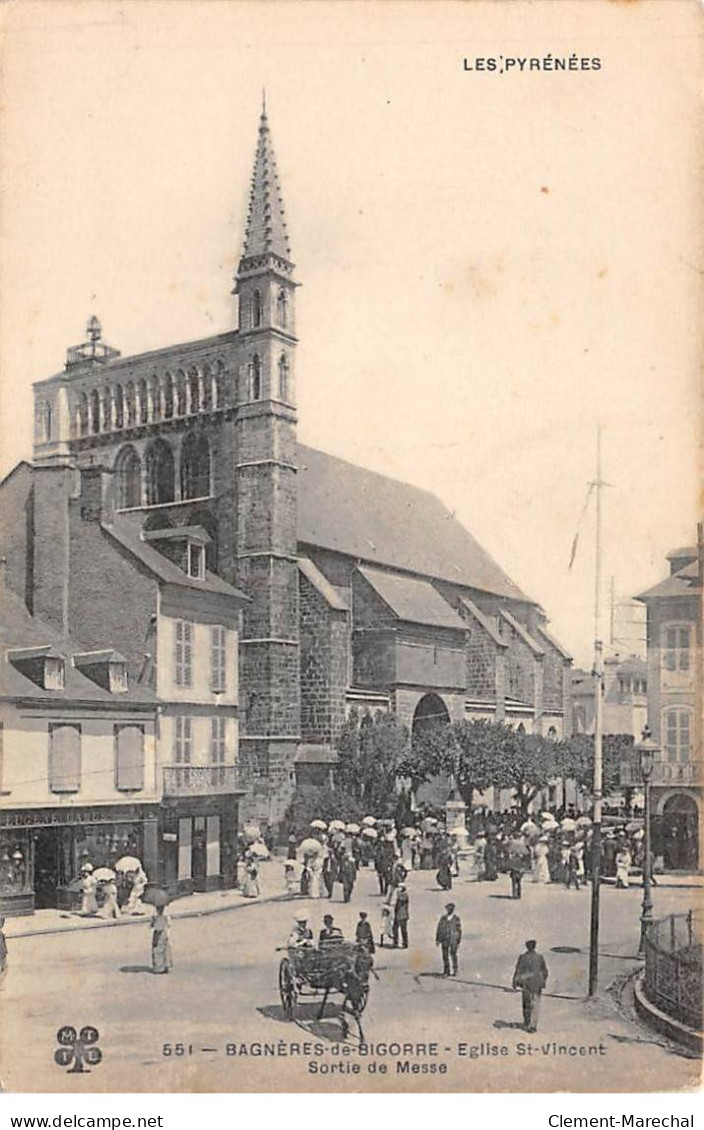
{"x": 412, "y": 600}
{"x": 266, "y": 225}
{"x": 382, "y": 521}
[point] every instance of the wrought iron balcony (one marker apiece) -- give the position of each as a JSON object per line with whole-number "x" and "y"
{"x": 200, "y": 780}
{"x": 664, "y": 773}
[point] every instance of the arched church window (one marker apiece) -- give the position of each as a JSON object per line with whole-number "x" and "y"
{"x": 83, "y": 414}
{"x": 283, "y": 378}
{"x": 128, "y": 467}
{"x": 256, "y": 309}
{"x": 194, "y": 390}
{"x": 256, "y": 378}
{"x": 282, "y": 307}
{"x": 155, "y": 398}
{"x": 160, "y": 473}
{"x": 143, "y": 402}
{"x": 168, "y": 396}
{"x": 95, "y": 411}
{"x": 180, "y": 393}
{"x": 130, "y": 405}
{"x": 119, "y": 407}
{"x": 195, "y": 466}
{"x": 207, "y": 388}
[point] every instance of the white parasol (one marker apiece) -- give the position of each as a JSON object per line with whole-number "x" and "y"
{"x": 104, "y": 874}
{"x": 370, "y": 833}
{"x": 259, "y": 850}
{"x": 310, "y": 846}
{"x": 584, "y": 822}
{"x": 370, "y": 821}
{"x": 353, "y": 829}
{"x": 128, "y": 863}
{"x": 568, "y": 824}
{"x": 335, "y": 826}
{"x": 251, "y": 832}
{"x": 529, "y": 826}
{"x": 408, "y": 832}
{"x": 319, "y": 824}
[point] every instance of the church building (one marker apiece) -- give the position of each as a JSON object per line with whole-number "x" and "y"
{"x": 352, "y": 589}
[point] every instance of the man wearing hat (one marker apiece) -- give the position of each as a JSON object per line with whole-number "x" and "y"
{"x": 448, "y": 936}
{"x": 330, "y": 932}
{"x": 301, "y": 935}
{"x": 530, "y": 976}
{"x": 363, "y": 933}
{"x": 401, "y": 915}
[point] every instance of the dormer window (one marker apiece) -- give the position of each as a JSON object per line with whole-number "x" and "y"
{"x": 196, "y": 560}
{"x": 43, "y": 665}
{"x": 108, "y": 669}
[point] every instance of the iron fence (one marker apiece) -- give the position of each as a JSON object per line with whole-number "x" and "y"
{"x": 673, "y": 967}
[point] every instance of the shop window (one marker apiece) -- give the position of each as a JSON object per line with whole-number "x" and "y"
{"x": 218, "y": 659}
{"x": 184, "y": 653}
{"x": 183, "y": 739}
{"x": 676, "y": 641}
{"x": 15, "y": 876}
{"x": 218, "y": 728}
{"x": 678, "y": 734}
{"x": 64, "y": 758}
{"x": 129, "y": 758}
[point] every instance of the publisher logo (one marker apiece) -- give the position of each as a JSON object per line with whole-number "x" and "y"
{"x": 77, "y": 1048}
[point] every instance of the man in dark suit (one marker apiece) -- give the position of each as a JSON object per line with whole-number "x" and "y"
{"x": 401, "y": 915}
{"x": 363, "y": 934}
{"x": 530, "y": 976}
{"x": 448, "y": 936}
{"x": 348, "y": 875}
{"x": 330, "y": 933}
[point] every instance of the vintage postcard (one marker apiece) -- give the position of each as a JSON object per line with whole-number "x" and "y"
{"x": 351, "y": 546}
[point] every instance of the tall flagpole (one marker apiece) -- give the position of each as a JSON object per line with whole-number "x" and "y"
{"x": 598, "y": 730}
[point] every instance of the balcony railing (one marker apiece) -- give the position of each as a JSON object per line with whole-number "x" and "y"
{"x": 200, "y": 780}
{"x": 664, "y": 773}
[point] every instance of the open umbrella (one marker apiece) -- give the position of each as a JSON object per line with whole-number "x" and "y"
{"x": 310, "y": 846}
{"x": 319, "y": 824}
{"x": 409, "y": 832}
{"x": 353, "y": 829}
{"x": 104, "y": 874}
{"x": 128, "y": 863}
{"x": 568, "y": 824}
{"x": 547, "y": 816}
{"x": 336, "y": 826}
{"x": 584, "y": 822}
{"x": 370, "y": 821}
{"x": 370, "y": 833}
{"x": 156, "y": 897}
{"x": 251, "y": 832}
{"x": 259, "y": 850}
{"x": 529, "y": 826}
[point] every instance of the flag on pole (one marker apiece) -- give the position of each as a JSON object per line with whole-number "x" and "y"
{"x": 575, "y": 541}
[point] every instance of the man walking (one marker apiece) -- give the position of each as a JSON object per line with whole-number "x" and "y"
{"x": 348, "y": 875}
{"x": 401, "y": 915}
{"x": 448, "y": 936}
{"x": 530, "y": 976}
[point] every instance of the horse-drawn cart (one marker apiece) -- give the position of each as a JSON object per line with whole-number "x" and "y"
{"x": 310, "y": 972}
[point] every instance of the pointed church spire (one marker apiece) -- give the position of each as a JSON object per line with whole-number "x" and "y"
{"x": 266, "y": 224}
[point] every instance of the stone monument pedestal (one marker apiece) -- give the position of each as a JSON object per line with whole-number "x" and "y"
{"x": 455, "y": 811}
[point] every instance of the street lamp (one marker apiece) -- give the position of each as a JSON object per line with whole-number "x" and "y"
{"x": 645, "y": 751}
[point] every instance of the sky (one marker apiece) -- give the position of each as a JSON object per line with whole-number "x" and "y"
{"x": 490, "y": 265}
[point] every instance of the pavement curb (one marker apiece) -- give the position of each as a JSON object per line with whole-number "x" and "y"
{"x": 667, "y": 1025}
{"x": 140, "y": 920}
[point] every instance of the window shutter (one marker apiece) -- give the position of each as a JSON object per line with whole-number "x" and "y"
{"x": 64, "y": 758}
{"x": 129, "y": 758}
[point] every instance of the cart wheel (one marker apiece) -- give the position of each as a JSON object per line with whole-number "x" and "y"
{"x": 287, "y": 988}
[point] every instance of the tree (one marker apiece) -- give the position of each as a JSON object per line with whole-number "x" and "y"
{"x": 371, "y": 751}
{"x": 576, "y": 759}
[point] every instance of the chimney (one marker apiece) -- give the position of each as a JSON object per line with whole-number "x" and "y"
{"x": 96, "y": 500}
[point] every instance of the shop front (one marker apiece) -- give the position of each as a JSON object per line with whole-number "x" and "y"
{"x": 199, "y": 844}
{"x": 42, "y": 851}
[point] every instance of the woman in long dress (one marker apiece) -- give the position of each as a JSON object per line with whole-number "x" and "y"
{"x": 541, "y": 871}
{"x": 161, "y": 944}
{"x": 250, "y": 887}
{"x": 89, "y": 903}
{"x": 111, "y": 908}
{"x": 388, "y": 913}
{"x": 316, "y": 877}
{"x": 623, "y": 865}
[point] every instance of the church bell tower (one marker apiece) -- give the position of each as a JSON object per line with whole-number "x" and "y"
{"x": 266, "y": 488}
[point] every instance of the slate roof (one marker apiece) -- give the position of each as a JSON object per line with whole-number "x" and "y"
{"x": 382, "y": 521}
{"x": 20, "y": 631}
{"x": 684, "y": 583}
{"x": 126, "y": 533}
{"x": 486, "y": 622}
{"x": 412, "y": 600}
